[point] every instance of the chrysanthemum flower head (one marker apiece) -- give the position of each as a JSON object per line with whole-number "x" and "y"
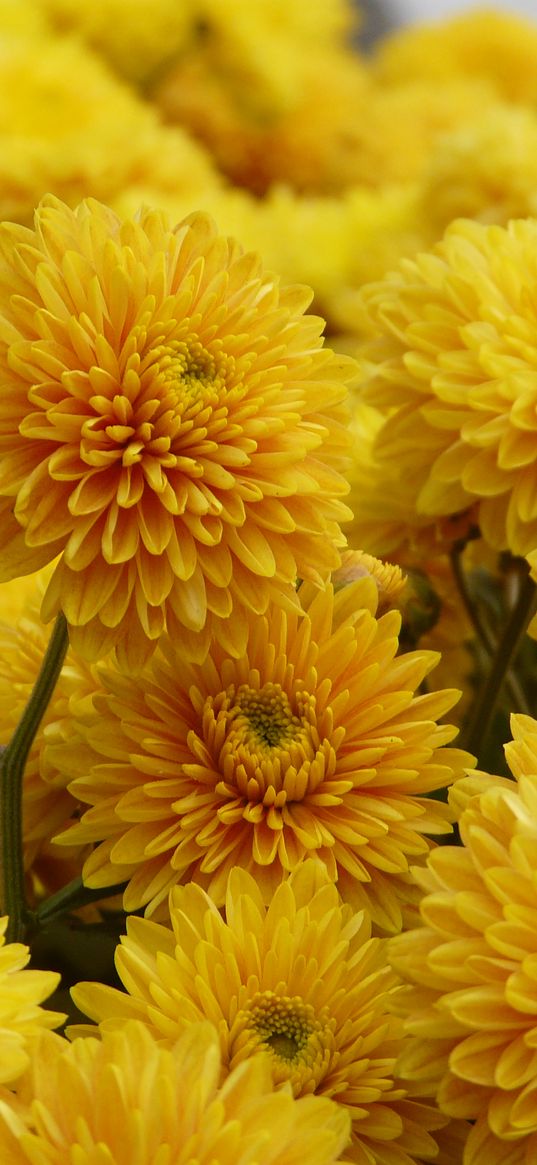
{"x": 299, "y": 984}
{"x": 315, "y": 742}
{"x": 397, "y": 126}
{"x": 247, "y": 85}
{"x": 485, "y": 169}
{"x": 68, "y": 125}
{"x": 387, "y": 576}
{"x": 304, "y": 238}
{"x": 21, "y": 1016}
{"x": 333, "y": 243}
{"x": 470, "y": 1003}
{"x": 486, "y": 44}
{"x": 171, "y": 427}
{"x": 20, "y": 20}
{"x": 125, "y": 1098}
{"x": 17, "y": 594}
{"x": 136, "y": 40}
{"x": 383, "y": 496}
{"x": 386, "y": 521}
{"x": 142, "y": 44}
{"x": 381, "y": 225}
{"x": 452, "y": 366}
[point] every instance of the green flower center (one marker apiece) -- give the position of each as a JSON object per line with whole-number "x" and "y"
{"x": 284, "y": 1046}
{"x": 269, "y": 715}
{"x": 185, "y": 365}
{"x": 284, "y": 1024}
{"x": 300, "y": 1042}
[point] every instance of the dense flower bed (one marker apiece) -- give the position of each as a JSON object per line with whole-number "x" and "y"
{"x": 268, "y": 527}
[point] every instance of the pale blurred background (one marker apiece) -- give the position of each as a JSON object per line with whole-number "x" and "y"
{"x": 381, "y": 15}
{"x": 410, "y": 10}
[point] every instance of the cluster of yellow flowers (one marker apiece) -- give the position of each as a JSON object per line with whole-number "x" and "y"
{"x": 273, "y": 566}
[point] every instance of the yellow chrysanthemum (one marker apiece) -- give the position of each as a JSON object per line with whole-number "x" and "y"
{"x": 396, "y": 127}
{"x": 303, "y": 238}
{"x": 486, "y": 44}
{"x": 334, "y": 243}
{"x": 136, "y": 40}
{"x": 170, "y": 164}
{"x": 471, "y": 966}
{"x": 380, "y": 226}
{"x": 254, "y": 92}
{"x": 68, "y": 126}
{"x": 15, "y": 596}
{"x": 125, "y": 1099}
{"x": 383, "y": 498}
{"x": 47, "y": 805}
{"x": 300, "y": 984}
{"x": 486, "y": 169}
{"x": 384, "y": 520}
{"x": 312, "y": 743}
{"x": 261, "y": 41}
{"x": 20, "y": 20}
{"x": 264, "y": 124}
{"x": 257, "y": 59}
{"x": 21, "y": 1016}
{"x": 171, "y": 425}
{"x": 388, "y": 578}
{"x": 452, "y": 365}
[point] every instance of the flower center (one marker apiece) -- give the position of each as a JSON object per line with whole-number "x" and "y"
{"x": 300, "y": 1043}
{"x": 269, "y": 746}
{"x": 268, "y": 714}
{"x": 284, "y": 1046}
{"x": 166, "y": 395}
{"x": 186, "y": 366}
{"x": 265, "y": 746}
{"x": 283, "y": 1024}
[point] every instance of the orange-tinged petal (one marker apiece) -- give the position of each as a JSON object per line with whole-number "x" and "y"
{"x": 16, "y": 558}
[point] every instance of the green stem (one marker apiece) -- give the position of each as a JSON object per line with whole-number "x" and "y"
{"x": 484, "y": 635}
{"x": 12, "y": 762}
{"x": 71, "y": 897}
{"x": 506, "y": 652}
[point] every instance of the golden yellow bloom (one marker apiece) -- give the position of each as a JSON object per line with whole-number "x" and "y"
{"x": 252, "y": 84}
{"x": 380, "y": 226}
{"x": 126, "y": 1099}
{"x": 485, "y": 44}
{"x": 486, "y": 169}
{"x": 397, "y": 126}
{"x": 471, "y": 999}
{"x": 263, "y": 114}
{"x": 260, "y": 41}
{"x": 334, "y": 243}
{"x": 138, "y": 41}
{"x": 383, "y": 498}
{"x": 452, "y": 366}
{"x": 68, "y": 126}
{"x": 312, "y": 743}
{"x": 388, "y": 578}
{"x": 15, "y": 596}
{"x": 21, "y": 1016}
{"x": 169, "y": 167}
{"x": 171, "y": 425}
{"x": 300, "y": 984}
{"x": 47, "y": 805}
{"x": 20, "y": 20}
